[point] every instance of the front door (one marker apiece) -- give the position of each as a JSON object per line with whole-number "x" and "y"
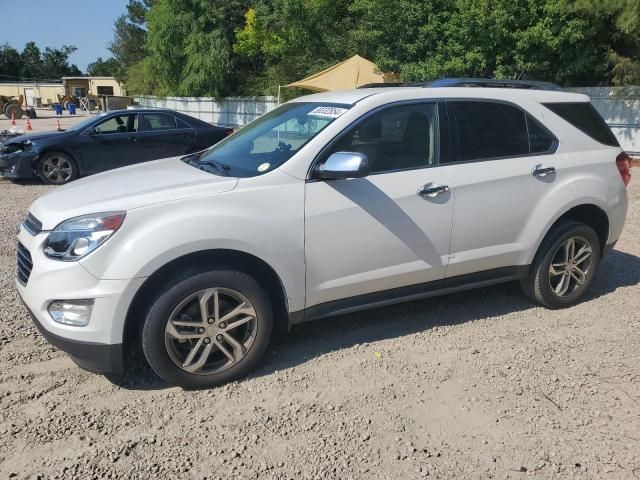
{"x": 391, "y": 229}
{"x": 113, "y": 143}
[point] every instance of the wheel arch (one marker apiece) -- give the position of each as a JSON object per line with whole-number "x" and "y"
{"x": 53, "y": 149}
{"x": 203, "y": 260}
{"x": 588, "y": 213}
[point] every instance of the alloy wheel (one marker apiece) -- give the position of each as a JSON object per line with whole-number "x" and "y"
{"x": 210, "y": 331}
{"x": 57, "y": 169}
{"x": 570, "y": 266}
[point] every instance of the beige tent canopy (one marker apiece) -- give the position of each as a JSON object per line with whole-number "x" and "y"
{"x": 352, "y": 73}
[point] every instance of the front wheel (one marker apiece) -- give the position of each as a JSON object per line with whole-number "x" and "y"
{"x": 564, "y": 266}
{"x": 57, "y": 168}
{"x": 208, "y": 329}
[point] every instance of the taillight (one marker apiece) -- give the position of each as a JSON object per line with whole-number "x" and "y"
{"x": 228, "y": 131}
{"x": 624, "y": 162}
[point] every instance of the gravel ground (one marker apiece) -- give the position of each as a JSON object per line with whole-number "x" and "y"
{"x": 473, "y": 385}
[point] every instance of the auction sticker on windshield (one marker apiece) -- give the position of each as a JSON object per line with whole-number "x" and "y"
{"x": 327, "y": 112}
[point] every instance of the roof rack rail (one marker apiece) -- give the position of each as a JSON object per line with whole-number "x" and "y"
{"x": 473, "y": 82}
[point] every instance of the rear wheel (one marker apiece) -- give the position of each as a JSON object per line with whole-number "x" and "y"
{"x": 208, "y": 329}
{"x": 13, "y": 109}
{"x": 564, "y": 266}
{"x": 57, "y": 168}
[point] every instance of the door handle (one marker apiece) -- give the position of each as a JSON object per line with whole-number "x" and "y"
{"x": 133, "y": 139}
{"x": 541, "y": 171}
{"x": 431, "y": 190}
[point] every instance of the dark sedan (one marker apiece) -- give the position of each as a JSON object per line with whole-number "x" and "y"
{"x": 104, "y": 142}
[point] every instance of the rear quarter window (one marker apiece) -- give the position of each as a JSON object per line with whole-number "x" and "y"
{"x": 585, "y": 118}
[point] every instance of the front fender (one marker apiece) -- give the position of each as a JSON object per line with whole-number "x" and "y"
{"x": 267, "y": 226}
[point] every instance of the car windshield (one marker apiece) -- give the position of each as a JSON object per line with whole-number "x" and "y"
{"x": 268, "y": 142}
{"x": 81, "y": 125}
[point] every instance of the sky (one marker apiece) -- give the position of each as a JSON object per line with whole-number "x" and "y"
{"x": 85, "y": 24}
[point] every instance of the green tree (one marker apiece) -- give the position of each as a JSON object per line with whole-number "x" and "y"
{"x": 539, "y": 39}
{"x": 128, "y": 45}
{"x": 31, "y": 59}
{"x": 288, "y": 39}
{"x": 107, "y": 68}
{"x": 189, "y": 43}
{"x": 10, "y": 63}
{"x": 624, "y": 53}
{"x": 55, "y": 63}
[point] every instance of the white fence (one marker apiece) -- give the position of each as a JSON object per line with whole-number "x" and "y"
{"x": 619, "y": 107}
{"x": 230, "y": 111}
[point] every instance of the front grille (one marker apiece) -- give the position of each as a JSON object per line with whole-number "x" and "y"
{"x": 25, "y": 264}
{"x": 32, "y": 225}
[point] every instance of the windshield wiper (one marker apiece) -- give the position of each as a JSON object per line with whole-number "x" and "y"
{"x": 219, "y": 167}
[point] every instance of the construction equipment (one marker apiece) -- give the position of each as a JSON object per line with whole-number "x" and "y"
{"x": 92, "y": 101}
{"x": 11, "y": 106}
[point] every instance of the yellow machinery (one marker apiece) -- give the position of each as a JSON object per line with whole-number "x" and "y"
{"x": 93, "y": 101}
{"x": 11, "y": 105}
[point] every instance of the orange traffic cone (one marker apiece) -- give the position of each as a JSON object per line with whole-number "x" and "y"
{"x": 58, "y": 127}
{"x": 28, "y": 125}
{"x": 13, "y": 118}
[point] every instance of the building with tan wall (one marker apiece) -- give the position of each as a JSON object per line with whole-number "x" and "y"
{"x": 46, "y": 93}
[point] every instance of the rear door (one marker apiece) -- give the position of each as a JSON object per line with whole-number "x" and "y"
{"x": 505, "y": 165}
{"x": 163, "y": 135}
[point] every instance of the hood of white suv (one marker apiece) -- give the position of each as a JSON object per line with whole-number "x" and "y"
{"x": 128, "y": 188}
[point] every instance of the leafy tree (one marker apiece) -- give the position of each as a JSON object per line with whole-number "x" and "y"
{"x": 190, "y": 47}
{"x": 34, "y": 64}
{"x": 128, "y": 45}
{"x": 289, "y": 39}
{"x": 107, "y": 68}
{"x": 625, "y": 49}
{"x": 55, "y": 62}
{"x": 31, "y": 61}
{"x": 10, "y": 62}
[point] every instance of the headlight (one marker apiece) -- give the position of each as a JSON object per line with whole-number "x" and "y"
{"x": 78, "y": 237}
{"x": 16, "y": 147}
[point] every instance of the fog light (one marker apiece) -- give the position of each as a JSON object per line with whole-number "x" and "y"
{"x": 71, "y": 312}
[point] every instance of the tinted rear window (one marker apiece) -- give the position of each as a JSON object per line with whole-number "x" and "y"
{"x": 490, "y": 130}
{"x": 540, "y": 139}
{"x": 586, "y": 118}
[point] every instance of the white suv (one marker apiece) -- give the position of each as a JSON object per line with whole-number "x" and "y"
{"x": 329, "y": 204}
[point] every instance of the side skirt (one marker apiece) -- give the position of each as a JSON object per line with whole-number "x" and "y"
{"x": 409, "y": 293}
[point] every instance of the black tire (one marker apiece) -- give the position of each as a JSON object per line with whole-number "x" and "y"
{"x": 538, "y": 283}
{"x": 67, "y": 170}
{"x": 15, "y": 109}
{"x": 154, "y": 340}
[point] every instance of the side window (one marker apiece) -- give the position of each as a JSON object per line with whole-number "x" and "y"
{"x": 158, "y": 121}
{"x": 489, "y": 130}
{"x": 540, "y": 139}
{"x": 396, "y": 138}
{"x": 182, "y": 124}
{"x": 118, "y": 124}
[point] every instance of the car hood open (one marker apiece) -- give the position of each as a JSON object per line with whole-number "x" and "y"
{"x": 127, "y": 188}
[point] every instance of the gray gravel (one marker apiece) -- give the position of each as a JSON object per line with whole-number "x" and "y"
{"x": 474, "y": 385}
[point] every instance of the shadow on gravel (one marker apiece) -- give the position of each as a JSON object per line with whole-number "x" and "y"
{"x": 313, "y": 339}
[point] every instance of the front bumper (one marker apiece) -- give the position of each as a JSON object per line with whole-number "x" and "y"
{"x": 18, "y": 165}
{"x": 97, "y": 346}
{"x": 94, "y": 357}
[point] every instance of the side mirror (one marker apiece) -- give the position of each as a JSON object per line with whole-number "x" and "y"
{"x": 344, "y": 165}
{"x": 90, "y": 131}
